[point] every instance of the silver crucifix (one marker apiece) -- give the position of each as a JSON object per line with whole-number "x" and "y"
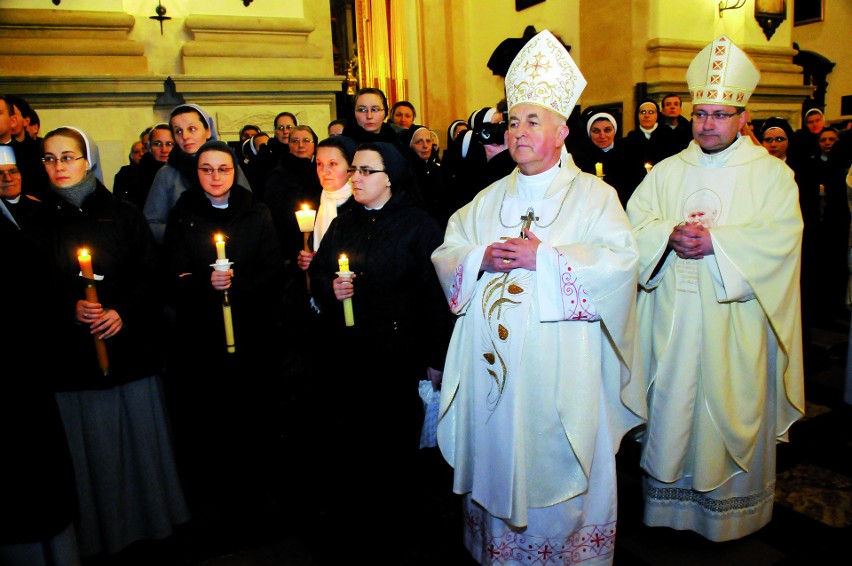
{"x": 527, "y": 220}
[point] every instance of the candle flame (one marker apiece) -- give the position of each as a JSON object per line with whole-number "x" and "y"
{"x": 306, "y": 206}
{"x": 83, "y": 252}
{"x": 219, "y": 238}
{"x": 343, "y": 257}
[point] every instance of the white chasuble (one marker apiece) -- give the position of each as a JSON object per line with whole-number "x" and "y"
{"x": 711, "y": 328}
{"x": 535, "y": 353}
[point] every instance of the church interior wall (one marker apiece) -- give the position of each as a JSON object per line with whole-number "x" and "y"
{"x": 211, "y": 49}
{"x": 241, "y": 64}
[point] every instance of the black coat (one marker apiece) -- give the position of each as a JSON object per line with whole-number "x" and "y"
{"x": 385, "y": 134}
{"x": 132, "y": 182}
{"x": 292, "y": 183}
{"x": 397, "y": 293}
{"x": 638, "y": 151}
{"x": 617, "y": 170}
{"x": 37, "y": 488}
{"x": 674, "y": 140}
{"x": 255, "y": 293}
{"x": 369, "y": 373}
{"x": 122, "y": 249}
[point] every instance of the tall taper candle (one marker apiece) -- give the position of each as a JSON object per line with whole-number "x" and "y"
{"x": 229, "y": 323}
{"x": 85, "y": 260}
{"x": 348, "y": 314}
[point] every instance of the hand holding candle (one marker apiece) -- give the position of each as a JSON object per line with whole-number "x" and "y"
{"x": 348, "y": 314}
{"x": 306, "y": 219}
{"x": 222, "y": 264}
{"x": 85, "y": 260}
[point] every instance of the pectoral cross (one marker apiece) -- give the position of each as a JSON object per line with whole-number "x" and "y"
{"x": 527, "y": 220}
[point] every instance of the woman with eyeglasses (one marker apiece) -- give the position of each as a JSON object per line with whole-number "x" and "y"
{"x": 115, "y": 418}
{"x": 191, "y": 128}
{"x": 400, "y": 336}
{"x": 645, "y": 144}
{"x": 224, "y": 405}
{"x": 132, "y": 183}
{"x": 369, "y": 125}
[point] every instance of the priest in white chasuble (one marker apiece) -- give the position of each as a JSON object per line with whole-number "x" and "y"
{"x": 719, "y": 231}
{"x": 540, "y": 382}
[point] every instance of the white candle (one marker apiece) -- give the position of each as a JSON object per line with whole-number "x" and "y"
{"x": 220, "y": 247}
{"x": 306, "y": 218}
{"x": 348, "y": 314}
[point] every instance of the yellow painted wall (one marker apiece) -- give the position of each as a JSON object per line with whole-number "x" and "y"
{"x": 459, "y": 38}
{"x": 830, "y": 38}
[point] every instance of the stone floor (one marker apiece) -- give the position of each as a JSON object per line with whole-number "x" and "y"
{"x": 812, "y": 520}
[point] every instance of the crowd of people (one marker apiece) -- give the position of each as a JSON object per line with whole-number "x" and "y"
{"x": 188, "y": 349}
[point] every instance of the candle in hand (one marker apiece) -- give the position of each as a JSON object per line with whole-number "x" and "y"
{"x": 220, "y": 247}
{"x": 647, "y": 168}
{"x": 306, "y": 218}
{"x": 348, "y": 314}
{"x": 599, "y": 169}
{"x": 92, "y": 296}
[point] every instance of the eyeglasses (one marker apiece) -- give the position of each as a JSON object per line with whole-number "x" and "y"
{"x": 369, "y": 110}
{"x": 10, "y": 172}
{"x": 647, "y": 111}
{"x": 65, "y": 159}
{"x": 281, "y": 128}
{"x": 778, "y": 139}
{"x": 717, "y": 116}
{"x": 304, "y": 140}
{"x": 221, "y": 170}
{"x": 161, "y": 144}
{"x": 365, "y": 171}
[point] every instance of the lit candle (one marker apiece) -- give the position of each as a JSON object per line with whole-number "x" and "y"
{"x": 306, "y": 218}
{"x": 348, "y": 314}
{"x": 220, "y": 247}
{"x": 86, "y": 264}
{"x": 599, "y": 169}
{"x": 647, "y": 168}
{"x": 85, "y": 260}
{"x": 229, "y": 324}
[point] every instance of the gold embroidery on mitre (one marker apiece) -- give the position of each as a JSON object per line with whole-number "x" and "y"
{"x": 544, "y": 74}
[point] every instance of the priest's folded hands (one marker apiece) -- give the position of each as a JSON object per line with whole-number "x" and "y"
{"x": 505, "y": 255}
{"x": 691, "y": 240}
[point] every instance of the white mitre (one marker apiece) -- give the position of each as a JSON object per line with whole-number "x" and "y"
{"x": 544, "y": 74}
{"x": 722, "y": 74}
